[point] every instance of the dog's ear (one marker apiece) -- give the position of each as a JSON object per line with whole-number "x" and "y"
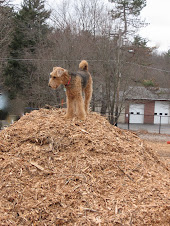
{"x": 60, "y": 72}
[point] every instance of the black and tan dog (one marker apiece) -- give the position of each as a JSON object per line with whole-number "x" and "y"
{"x": 75, "y": 84}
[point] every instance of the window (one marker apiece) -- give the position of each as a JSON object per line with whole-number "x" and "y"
{"x": 138, "y": 113}
{"x": 166, "y": 113}
{"x": 160, "y": 113}
{"x": 155, "y": 113}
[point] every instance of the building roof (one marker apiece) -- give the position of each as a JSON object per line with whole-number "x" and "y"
{"x": 149, "y": 93}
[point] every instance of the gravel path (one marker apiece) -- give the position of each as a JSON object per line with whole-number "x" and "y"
{"x": 154, "y": 137}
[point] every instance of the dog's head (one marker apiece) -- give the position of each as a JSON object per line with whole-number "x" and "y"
{"x": 57, "y": 77}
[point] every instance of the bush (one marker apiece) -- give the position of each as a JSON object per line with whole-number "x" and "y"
{"x": 148, "y": 83}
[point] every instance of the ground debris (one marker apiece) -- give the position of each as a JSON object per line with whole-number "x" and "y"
{"x": 55, "y": 171}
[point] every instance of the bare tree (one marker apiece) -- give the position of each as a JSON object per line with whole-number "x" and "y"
{"x": 124, "y": 15}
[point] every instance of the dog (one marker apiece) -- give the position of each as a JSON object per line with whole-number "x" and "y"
{"x": 75, "y": 84}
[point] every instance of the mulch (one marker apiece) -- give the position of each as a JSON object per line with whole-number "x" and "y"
{"x": 55, "y": 171}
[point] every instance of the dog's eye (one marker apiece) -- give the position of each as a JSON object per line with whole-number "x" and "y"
{"x": 54, "y": 77}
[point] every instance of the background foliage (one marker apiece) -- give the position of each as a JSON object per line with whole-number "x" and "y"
{"x": 35, "y": 38}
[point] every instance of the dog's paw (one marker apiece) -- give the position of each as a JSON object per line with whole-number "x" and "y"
{"x": 66, "y": 116}
{"x": 82, "y": 118}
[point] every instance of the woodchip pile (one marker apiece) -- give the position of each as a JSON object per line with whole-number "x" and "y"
{"x": 68, "y": 172}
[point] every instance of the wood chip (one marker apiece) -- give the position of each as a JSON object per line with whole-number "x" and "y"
{"x": 55, "y": 171}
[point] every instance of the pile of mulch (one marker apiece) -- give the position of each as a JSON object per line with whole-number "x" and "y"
{"x": 55, "y": 171}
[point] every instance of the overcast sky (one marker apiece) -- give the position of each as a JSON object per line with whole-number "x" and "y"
{"x": 156, "y": 13}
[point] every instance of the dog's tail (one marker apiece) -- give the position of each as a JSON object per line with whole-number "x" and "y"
{"x": 83, "y": 65}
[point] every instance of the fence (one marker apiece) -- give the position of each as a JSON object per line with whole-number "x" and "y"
{"x": 151, "y": 128}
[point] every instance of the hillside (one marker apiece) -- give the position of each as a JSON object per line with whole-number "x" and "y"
{"x": 68, "y": 172}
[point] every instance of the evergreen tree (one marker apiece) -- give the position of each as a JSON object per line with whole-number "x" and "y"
{"x": 6, "y": 29}
{"x": 30, "y": 28}
{"x": 127, "y": 12}
{"x": 140, "y": 42}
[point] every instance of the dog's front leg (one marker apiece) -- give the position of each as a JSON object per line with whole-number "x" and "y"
{"x": 70, "y": 107}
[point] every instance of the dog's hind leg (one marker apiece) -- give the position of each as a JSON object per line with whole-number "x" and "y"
{"x": 88, "y": 94}
{"x": 81, "y": 114}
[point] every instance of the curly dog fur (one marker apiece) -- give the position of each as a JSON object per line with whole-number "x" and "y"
{"x": 75, "y": 84}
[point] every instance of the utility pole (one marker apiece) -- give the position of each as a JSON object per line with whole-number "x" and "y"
{"x": 118, "y": 75}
